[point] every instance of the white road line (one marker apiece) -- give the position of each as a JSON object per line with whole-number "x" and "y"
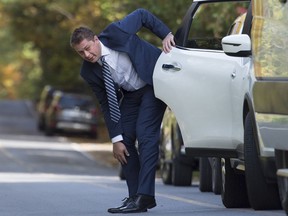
{"x": 190, "y": 201}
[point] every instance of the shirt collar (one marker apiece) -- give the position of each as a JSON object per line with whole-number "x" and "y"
{"x": 104, "y": 52}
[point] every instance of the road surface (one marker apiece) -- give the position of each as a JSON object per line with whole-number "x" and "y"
{"x": 59, "y": 176}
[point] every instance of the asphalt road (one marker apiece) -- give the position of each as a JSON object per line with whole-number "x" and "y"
{"x": 59, "y": 176}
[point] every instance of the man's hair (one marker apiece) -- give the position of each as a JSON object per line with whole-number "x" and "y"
{"x": 81, "y": 33}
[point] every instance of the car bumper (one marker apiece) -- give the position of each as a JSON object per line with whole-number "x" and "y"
{"x": 74, "y": 126}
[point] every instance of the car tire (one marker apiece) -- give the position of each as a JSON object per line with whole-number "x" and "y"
{"x": 49, "y": 131}
{"x": 181, "y": 173}
{"x": 216, "y": 175}
{"x": 41, "y": 125}
{"x": 205, "y": 177}
{"x": 281, "y": 162}
{"x": 166, "y": 172}
{"x": 93, "y": 135}
{"x": 121, "y": 173}
{"x": 233, "y": 192}
{"x": 174, "y": 171}
{"x": 262, "y": 195}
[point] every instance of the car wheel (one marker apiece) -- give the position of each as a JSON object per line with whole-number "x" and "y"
{"x": 166, "y": 172}
{"x": 281, "y": 162}
{"x": 205, "y": 177}
{"x": 181, "y": 173}
{"x": 121, "y": 173}
{"x": 165, "y": 163}
{"x": 262, "y": 195}
{"x": 216, "y": 175}
{"x": 49, "y": 131}
{"x": 93, "y": 135}
{"x": 41, "y": 125}
{"x": 182, "y": 170}
{"x": 233, "y": 192}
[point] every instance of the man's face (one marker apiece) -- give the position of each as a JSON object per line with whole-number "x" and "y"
{"x": 89, "y": 50}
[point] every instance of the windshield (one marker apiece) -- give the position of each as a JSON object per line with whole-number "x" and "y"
{"x": 83, "y": 103}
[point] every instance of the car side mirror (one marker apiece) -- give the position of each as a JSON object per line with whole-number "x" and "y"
{"x": 238, "y": 45}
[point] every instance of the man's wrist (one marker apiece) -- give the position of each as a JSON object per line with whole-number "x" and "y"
{"x": 117, "y": 139}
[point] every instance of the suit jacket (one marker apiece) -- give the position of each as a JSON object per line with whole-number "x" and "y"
{"x": 121, "y": 36}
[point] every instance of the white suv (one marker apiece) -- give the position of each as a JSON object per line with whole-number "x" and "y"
{"x": 208, "y": 80}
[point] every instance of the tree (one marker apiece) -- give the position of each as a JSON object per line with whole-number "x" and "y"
{"x": 41, "y": 30}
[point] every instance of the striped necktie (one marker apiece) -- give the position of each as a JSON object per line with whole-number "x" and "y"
{"x": 110, "y": 90}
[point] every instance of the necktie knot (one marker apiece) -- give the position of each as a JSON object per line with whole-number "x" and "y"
{"x": 102, "y": 58}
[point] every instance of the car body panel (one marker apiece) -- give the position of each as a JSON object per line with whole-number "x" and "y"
{"x": 271, "y": 101}
{"x": 271, "y": 69}
{"x": 43, "y": 105}
{"x": 204, "y": 84}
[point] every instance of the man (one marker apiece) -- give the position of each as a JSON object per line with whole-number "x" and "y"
{"x": 130, "y": 61}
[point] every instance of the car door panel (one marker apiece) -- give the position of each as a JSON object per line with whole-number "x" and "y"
{"x": 200, "y": 95}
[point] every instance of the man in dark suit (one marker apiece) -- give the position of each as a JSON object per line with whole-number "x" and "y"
{"x": 131, "y": 62}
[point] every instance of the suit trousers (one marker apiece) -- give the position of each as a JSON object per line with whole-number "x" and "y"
{"x": 141, "y": 115}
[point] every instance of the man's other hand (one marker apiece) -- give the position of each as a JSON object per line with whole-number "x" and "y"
{"x": 120, "y": 152}
{"x": 168, "y": 42}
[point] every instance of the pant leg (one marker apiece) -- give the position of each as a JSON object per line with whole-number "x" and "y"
{"x": 148, "y": 124}
{"x": 129, "y": 114}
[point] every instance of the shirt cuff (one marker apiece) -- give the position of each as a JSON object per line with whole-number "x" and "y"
{"x": 117, "y": 139}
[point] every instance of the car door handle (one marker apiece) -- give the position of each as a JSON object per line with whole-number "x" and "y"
{"x": 171, "y": 67}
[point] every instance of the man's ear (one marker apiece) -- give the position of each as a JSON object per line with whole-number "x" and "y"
{"x": 95, "y": 38}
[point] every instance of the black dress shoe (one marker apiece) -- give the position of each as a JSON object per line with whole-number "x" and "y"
{"x": 139, "y": 203}
{"x": 124, "y": 203}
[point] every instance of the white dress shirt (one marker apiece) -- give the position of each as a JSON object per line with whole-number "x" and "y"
{"x": 122, "y": 72}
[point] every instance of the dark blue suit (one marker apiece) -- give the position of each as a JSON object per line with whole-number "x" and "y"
{"x": 141, "y": 112}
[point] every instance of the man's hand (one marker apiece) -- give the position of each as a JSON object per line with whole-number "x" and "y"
{"x": 120, "y": 152}
{"x": 168, "y": 42}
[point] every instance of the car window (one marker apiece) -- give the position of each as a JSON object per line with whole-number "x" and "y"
{"x": 74, "y": 101}
{"x": 237, "y": 26}
{"x": 211, "y": 22}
